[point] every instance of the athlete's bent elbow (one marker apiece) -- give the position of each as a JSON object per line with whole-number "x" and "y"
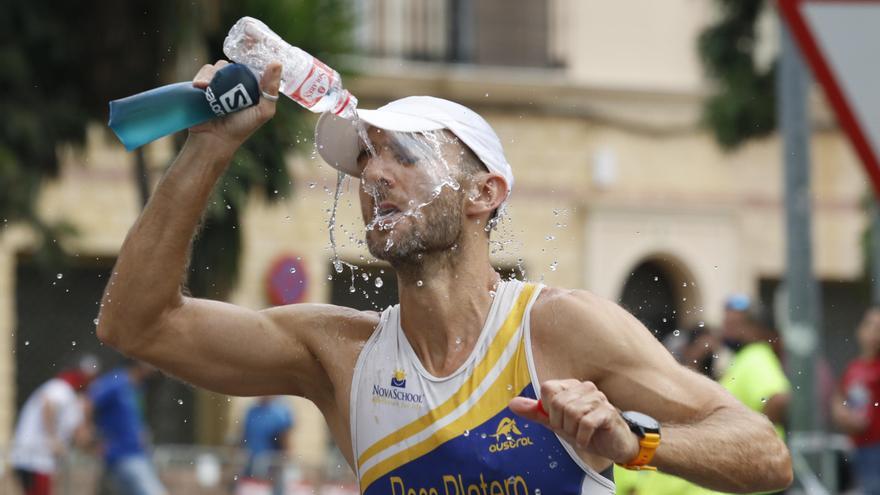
{"x": 775, "y": 468}
{"x": 112, "y": 334}
{"x": 124, "y": 336}
{"x": 782, "y": 470}
{"x": 105, "y": 334}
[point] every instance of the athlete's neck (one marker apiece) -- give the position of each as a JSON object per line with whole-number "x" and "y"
{"x": 443, "y": 312}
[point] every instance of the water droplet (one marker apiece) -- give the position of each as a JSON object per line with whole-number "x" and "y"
{"x": 509, "y": 387}
{"x": 59, "y": 276}
{"x": 73, "y": 343}
{"x": 27, "y": 343}
{"x": 352, "y": 289}
{"x": 458, "y": 341}
{"x": 763, "y": 400}
{"x": 550, "y": 237}
{"x": 179, "y": 402}
{"x": 482, "y": 435}
{"x": 675, "y": 332}
{"x": 419, "y": 283}
{"x": 95, "y": 321}
{"x": 553, "y": 464}
{"x": 664, "y": 320}
{"x": 378, "y": 282}
{"x": 466, "y": 432}
{"x": 312, "y": 185}
{"x": 656, "y": 278}
{"x": 293, "y": 269}
{"x": 553, "y": 266}
{"x": 684, "y": 284}
{"x": 701, "y": 324}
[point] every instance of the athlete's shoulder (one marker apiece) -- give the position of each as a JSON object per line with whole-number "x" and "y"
{"x": 582, "y": 326}
{"x": 580, "y": 306}
{"x": 328, "y": 320}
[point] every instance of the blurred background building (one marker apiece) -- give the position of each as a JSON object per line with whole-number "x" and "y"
{"x": 620, "y": 190}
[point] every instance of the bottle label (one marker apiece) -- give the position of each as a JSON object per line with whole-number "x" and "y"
{"x": 315, "y": 86}
{"x": 343, "y": 102}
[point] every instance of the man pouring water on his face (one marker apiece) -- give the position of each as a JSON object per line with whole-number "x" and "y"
{"x": 471, "y": 380}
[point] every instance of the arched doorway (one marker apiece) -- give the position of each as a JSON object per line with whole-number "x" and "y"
{"x": 662, "y": 294}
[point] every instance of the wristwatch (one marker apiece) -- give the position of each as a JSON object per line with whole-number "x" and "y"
{"x": 648, "y": 430}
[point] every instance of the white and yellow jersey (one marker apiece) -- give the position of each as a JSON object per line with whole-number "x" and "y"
{"x": 415, "y": 433}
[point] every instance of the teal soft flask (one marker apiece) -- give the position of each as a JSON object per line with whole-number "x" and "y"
{"x": 145, "y": 117}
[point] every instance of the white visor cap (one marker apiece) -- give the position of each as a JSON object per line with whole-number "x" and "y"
{"x": 338, "y": 142}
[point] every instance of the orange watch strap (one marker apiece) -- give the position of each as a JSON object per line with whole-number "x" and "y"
{"x": 647, "y": 447}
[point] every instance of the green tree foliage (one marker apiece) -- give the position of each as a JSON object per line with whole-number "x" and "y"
{"x": 61, "y": 62}
{"x": 64, "y": 61}
{"x": 320, "y": 27}
{"x": 744, "y": 103}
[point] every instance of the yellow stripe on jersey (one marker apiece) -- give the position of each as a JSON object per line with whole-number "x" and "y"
{"x": 508, "y": 385}
{"x": 496, "y": 348}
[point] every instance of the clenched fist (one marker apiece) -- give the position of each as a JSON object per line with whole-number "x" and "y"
{"x": 581, "y": 414}
{"x": 232, "y": 130}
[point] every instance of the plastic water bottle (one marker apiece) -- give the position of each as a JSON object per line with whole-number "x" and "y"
{"x": 147, "y": 116}
{"x": 304, "y": 79}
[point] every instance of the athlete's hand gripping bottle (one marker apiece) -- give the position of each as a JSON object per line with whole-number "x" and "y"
{"x": 304, "y": 79}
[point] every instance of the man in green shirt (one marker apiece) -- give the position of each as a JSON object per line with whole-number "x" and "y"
{"x": 755, "y": 375}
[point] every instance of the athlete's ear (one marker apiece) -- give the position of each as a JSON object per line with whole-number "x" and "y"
{"x": 488, "y": 191}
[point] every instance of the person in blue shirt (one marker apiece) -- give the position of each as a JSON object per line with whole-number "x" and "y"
{"x": 115, "y": 398}
{"x": 267, "y": 427}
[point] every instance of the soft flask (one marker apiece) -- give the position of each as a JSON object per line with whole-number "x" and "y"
{"x": 145, "y": 117}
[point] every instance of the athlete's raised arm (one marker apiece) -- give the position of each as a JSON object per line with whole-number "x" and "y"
{"x": 211, "y": 344}
{"x": 598, "y": 359}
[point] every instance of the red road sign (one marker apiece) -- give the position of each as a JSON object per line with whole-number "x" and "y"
{"x": 840, "y": 40}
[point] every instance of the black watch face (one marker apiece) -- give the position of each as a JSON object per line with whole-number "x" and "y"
{"x": 648, "y": 424}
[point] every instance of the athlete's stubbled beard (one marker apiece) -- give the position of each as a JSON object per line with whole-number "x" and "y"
{"x": 433, "y": 228}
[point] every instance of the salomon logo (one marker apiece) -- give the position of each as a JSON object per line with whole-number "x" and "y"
{"x": 235, "y": 99}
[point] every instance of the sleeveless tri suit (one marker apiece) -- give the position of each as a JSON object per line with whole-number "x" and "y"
{"x": 417, "y": 434}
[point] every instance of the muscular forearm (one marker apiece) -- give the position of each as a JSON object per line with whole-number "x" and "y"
{"x": 745, "y": 452}
{"x": 147, "y": 277}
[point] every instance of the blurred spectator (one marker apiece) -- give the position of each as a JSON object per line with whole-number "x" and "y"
{"x": 854, "y": 407}
{"x": 50, "y": 422}
{"x": 694, "y": 348}
{"x": 116, "y": 405}
{"x": 266, "y": 437}
{"x": 755, "y": 375}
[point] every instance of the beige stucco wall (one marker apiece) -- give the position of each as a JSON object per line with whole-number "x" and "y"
{"x": 636, "y": 44}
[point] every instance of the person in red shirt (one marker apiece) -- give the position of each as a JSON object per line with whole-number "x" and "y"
{"x": 855, "y": 407}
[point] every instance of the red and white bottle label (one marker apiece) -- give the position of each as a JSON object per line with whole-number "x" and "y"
{"x": 315, "y": 86}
